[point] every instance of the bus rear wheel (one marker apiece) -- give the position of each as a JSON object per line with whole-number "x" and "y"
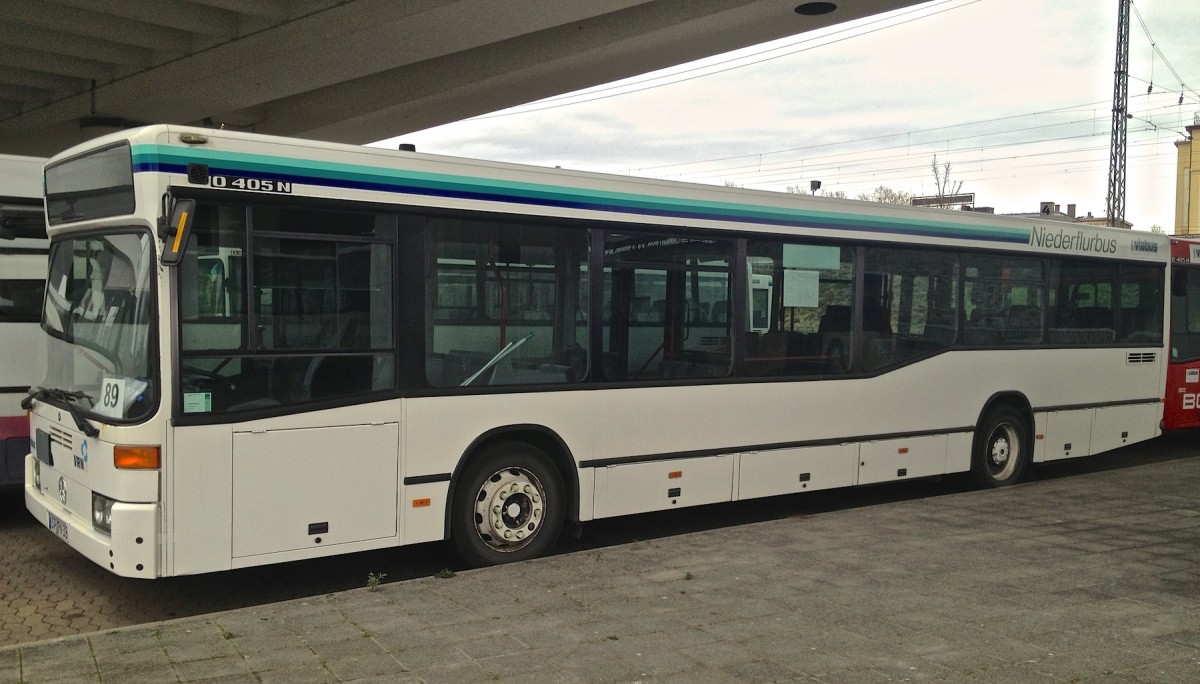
{"x": 508, "y": 506}
{"x": 1002, "y": 448}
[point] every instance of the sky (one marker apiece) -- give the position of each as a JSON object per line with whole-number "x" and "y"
{"x": 1015, "y": 94}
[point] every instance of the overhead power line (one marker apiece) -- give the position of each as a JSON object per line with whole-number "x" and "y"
{"x": 1154, "y": 46}
{"x": 628, "y": 87}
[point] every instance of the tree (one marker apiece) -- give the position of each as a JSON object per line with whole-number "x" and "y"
{"x": 1156, "y": 229}
{"x": 797, "y": 190}
{"x": 945, "y": 187}
{"x": 886, "y": 195}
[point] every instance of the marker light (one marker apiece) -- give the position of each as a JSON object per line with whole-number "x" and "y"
{"x": 136, "y": 457}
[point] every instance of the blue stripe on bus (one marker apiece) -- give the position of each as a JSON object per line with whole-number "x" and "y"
{"x": 155, "y": 158}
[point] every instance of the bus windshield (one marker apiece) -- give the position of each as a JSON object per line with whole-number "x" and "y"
{"x": 99, "y": 299}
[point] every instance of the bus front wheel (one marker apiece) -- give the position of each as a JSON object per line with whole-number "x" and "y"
{"x": 508, "y": 506}
{"x": 1002, "y": 448}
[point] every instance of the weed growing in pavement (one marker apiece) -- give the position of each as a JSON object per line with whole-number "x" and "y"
{"x": 373, "y": 580}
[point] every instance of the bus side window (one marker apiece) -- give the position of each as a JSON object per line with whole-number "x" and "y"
{"x": 910, "y": 305}
{"x": 505, "y": 304}
{"x": 799, "y": 310}
{"x": 686, "y": 331}
{"x": 1003, "y": 301}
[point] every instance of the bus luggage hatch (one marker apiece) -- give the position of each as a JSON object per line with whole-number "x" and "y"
{"x": 312, "y": 488}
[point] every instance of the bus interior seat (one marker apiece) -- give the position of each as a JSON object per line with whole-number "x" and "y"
{"x": 336, "y": 376}
{"x": 1022, "y": 322}
{"x": 983, "y": 329}
{"x": 835, "y": 319}
{"x": 877, "y": 319}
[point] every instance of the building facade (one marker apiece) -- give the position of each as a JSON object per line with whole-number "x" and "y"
{"x": 1187, "y": 184}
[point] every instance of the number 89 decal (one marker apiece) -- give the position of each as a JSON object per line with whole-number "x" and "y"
{"x": 112, "y": 395}
{"x": 112, "y": 398}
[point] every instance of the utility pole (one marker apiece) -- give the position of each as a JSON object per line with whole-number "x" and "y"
{"x": 1120, "y": 115}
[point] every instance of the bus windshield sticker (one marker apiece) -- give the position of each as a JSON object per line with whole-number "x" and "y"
{"x": 801, "y": 288}
{"x": 197, "y": 402}
{"x": 818, "y": 257}
{"x": 251, "y": 184}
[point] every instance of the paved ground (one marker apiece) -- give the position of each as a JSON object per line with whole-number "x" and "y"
{"x": 49, "y": 590}
{"x": 1089, "y": 573}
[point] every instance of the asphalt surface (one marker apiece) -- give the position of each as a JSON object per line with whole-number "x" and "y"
{"x": 1089, "y": 572}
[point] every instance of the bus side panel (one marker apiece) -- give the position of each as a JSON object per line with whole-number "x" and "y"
{"x": 199, "y": 493}
{"x": 789, "y": 471}
{"x": 16, "y": 372}
{"x": 958, "y": 451}
{"x": 440, "y": 432}
{"x": 423, "y": 521}
{"x": 898, "y": 459}
{"x": 305, "y": 489}
{"x": 16, "y": 367}
{"x": 659, "y": 485}
{"x": 1068, "y": 434}
{"x": 1181, "y": 407}
{"x": 1116, "y": 426}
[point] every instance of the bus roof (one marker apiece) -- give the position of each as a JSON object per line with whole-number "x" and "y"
{"x": 309, "y": 168}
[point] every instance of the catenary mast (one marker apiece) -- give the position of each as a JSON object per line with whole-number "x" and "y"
{"x": 1120, "y": 117}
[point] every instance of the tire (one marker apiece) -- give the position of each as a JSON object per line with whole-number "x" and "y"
{"x": 1003, "y": 448}
{"x": 508, "y": 506}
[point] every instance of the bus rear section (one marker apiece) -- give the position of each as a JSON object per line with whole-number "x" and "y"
{"x": 1182, "y": 409}
{"x": 23, "y": 246}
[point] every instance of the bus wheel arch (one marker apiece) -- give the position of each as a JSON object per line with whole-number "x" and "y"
{"x": 528, "y": 463}
{"x": 1002, "y": 448}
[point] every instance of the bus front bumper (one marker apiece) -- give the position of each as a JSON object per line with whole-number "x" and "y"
{"x": 130, "y": 552}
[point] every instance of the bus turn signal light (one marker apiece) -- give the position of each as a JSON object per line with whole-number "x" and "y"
{"x": 136, "y": 457}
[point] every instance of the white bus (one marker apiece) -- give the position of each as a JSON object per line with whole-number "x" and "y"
{"x": 23, "y": 247}
{"x": 263, "y": 350}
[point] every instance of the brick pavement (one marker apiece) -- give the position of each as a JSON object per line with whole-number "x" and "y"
{"x": 48, "y": 590}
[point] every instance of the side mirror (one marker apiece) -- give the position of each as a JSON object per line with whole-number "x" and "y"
{"x": 174, "y": 233}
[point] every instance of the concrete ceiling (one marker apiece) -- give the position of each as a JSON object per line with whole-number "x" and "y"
{"x": 351, "y": 71}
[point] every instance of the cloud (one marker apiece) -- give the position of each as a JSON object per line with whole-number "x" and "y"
{"x": 1031, "y": 80}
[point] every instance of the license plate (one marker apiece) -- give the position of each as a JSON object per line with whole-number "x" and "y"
{"x": 58, "y": 527}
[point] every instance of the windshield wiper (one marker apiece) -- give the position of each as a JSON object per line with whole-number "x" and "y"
{"x": 508, "y": 349}
{"x": 64, "y": 397}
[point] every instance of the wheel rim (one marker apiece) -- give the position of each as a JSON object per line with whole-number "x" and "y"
{"x": 509, "y": 509}
{"x": 1003, "y": 451}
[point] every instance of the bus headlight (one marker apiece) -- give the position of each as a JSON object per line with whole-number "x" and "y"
{"x": 102, "y": 513}
{"x": 37, "y": 474}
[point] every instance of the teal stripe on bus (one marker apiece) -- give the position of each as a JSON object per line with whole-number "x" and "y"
{"x": 160, "y": 157}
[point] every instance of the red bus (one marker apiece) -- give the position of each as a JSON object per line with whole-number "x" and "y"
{"x": 1182, "y": 398}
